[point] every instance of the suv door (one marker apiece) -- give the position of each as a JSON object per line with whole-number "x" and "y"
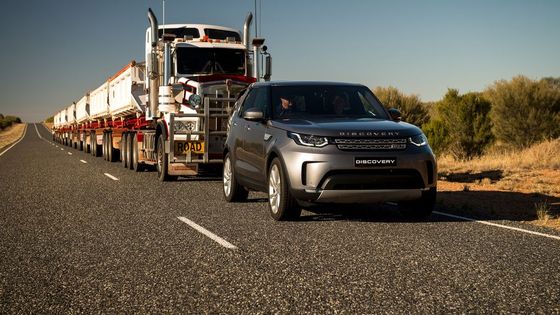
{"x": 251, "y": 154}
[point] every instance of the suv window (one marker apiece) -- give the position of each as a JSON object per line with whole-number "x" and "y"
{"x": 325, "y": 101}
{"x": 259, "y": 98}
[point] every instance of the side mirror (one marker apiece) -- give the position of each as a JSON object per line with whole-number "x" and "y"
{"x": 267, "y": 66}
{"x": 395, "y": 114}
{"x": 253, "y": 114}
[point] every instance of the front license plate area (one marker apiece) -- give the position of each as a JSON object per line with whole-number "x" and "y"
{"x": 375, "y": 161}
{"x": 182, "y": 147}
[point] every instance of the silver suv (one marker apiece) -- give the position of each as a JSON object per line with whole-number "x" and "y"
{"x": 310, "y": 143}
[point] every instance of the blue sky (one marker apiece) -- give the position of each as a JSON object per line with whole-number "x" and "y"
{"x": 53, "y": 52}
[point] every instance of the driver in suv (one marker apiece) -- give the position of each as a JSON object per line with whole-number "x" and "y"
{"x": 309, "y": 143}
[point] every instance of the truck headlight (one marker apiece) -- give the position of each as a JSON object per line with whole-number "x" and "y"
{"x": 418, "y": 140}
{"x": 308, "y": 140}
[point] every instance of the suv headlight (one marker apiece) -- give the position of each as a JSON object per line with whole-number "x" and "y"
{"x": 418, "y": 140}
{"x": 308, "y": 140}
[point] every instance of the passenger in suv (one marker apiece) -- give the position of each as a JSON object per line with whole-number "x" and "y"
{"x": 309, "y": 143}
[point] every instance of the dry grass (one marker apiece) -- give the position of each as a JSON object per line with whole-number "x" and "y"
{"x": 545, "y": 155}
{"x": 10, "y": 135}
{"x": 523, "y": 185}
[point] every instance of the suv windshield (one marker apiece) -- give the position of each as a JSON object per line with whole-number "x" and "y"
{"x": 325, "y": 101}
{"x": 210, "y": 60}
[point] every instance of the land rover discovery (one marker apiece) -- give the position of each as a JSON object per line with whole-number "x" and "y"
{"x": 313, "y": 143}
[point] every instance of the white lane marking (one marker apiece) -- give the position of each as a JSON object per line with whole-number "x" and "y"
{"x": 61, "y": 149}
{"x": 69, "y": 153}
{"x": 24, "y": 132}
{"x": 498, "y": 225}
{"x": 85, "y": 162}
{"x": 37, "y": 131}
{"x": 111, "y": 176}
{"x": 207, "y": 233}
{"x": 57, "y": 146}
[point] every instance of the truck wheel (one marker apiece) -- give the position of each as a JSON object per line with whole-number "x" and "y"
{"x": 135, "y": 165}
{"x": 281, "y": 203}
{"x": 162, "y": 162}
{"x": 232, "y": 190}
{"x": 124, "y": 149}
{"x": 87, "y": 145}
{"x": 420, "y": 208}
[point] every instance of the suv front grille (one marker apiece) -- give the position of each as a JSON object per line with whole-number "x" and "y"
{"x": 371, "y": 144}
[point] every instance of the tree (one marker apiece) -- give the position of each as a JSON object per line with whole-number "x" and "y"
{"x": 410, "y": 106}
{"x": 461, "y": 126}
{"x": 525, "y": 111}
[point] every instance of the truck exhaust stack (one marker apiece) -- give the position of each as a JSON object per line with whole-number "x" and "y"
{"x": 153, "y": 67}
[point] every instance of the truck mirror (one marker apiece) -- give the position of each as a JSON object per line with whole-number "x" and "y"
{"x": 267, "y": 67}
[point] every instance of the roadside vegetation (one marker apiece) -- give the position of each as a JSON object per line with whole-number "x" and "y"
{"x": 11, "y": 129}
{"x": 8, "y": 121}
{"x": 498, "y": 150}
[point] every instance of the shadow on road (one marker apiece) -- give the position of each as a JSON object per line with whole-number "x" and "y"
{"x": 483, "y": 205}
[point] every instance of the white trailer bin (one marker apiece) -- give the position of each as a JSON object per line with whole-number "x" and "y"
{"x": 56, "y": 120}
{"x": 98, "y": 105}
{"x": 63, "y": 122}
{"x": 126, "y": 90}
{"x": 82, "y": 109}
{"x": 71, "y": 114}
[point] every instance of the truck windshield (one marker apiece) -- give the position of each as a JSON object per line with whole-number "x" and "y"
{"x": 192, "y": 60}
{"x": 325, "y": 101}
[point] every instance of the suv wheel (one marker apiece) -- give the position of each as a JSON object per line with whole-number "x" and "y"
{"x": 420, "y": 208}
{"x": 282, "y": 205}
{"x": 232, "y": 190}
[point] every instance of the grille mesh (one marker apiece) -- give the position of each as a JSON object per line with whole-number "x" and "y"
{"x": 371, "y": 144}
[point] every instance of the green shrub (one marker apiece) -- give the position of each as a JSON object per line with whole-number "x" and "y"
{"x": 410, "y": 106}
{"x": 461, "y": 125}
{"x": 525, "y": 111}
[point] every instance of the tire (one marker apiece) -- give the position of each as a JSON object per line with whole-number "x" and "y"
{"x": 128, "y": 154}
{"x": 232, "y": 190}
{"x": 111, "y": 153}
{"x": 87, "y": 145}
{"x": 420, "y": 208}
{"x": 94, "y": 147}
{"x": 104, "y": 146}
{"x": 124, "y": 149}
{"x": 162, "y": 162}
{"x": 135, "y": 164}
{"x": 281, "y": 204}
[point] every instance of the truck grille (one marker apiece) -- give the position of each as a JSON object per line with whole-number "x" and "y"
{"x": 371, "y": 144}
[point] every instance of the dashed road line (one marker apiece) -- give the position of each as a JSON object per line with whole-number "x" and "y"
{"x": 497, "y": 225}
{"x": 35, "y": 125}
{"x": 208, "y": 234}
{"x": 85, "y": 162}
{"x": 21, "y": 138}
{"x": 69, "y": 153}
{"x": 111, "y": 176}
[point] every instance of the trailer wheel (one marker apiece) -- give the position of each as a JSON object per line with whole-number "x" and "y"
{"x": 111, "y": 152}
{"x": 128, "y": 151}
{"x": 135, "y": 164}
{"x": 162, "y": 162}
{"x": 94, "y": 148}
{"x": 124, "y": 149}
{"x": 86, "y": 144}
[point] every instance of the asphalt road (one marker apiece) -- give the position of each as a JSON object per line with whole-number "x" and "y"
{"x": 74, "y": 240}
